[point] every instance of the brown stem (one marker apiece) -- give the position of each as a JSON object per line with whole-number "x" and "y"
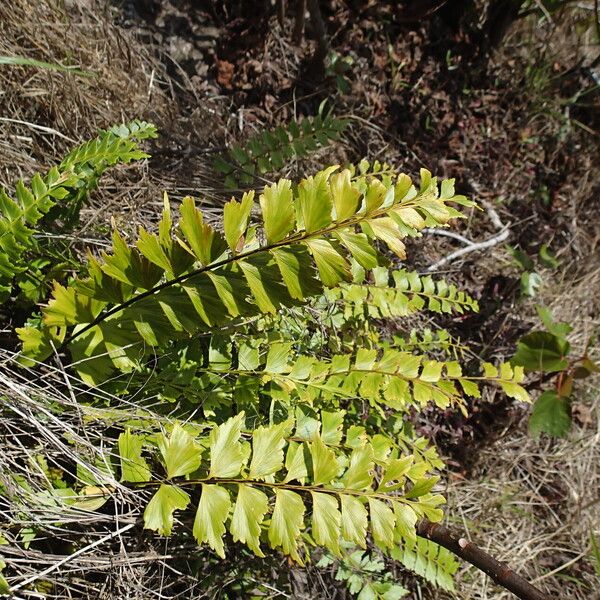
{"x": 319, "y": 28}
{"x": 299, "y": 22}
{"x": 501, "y": 573}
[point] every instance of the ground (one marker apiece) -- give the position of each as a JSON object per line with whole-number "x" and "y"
{"x": 516, "y": 125}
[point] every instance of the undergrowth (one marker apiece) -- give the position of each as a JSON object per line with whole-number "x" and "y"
{"x": 244, "y": 397}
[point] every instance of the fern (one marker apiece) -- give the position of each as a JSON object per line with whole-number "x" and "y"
{"x": 399, "y": 294}
{"x": 246, "y": 374}
{"x": 267, "y": 443}
{"x": 58, "y": 196}
{"x": 429, "y": 560}
{"x": 294, "y": 466}
{"x": 364, "y": 575}
{"x": 270, "y": 151}
{"x": 191, "y": 277}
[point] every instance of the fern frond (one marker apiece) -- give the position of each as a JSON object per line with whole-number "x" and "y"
{"x": 429, "y": 560}
{"x": 269, "y": 151}
{"x": 191, "y": 277}
{"x": 388, "y": 379}
{"x": 365, "y": 575}
{"x": 59, "y": 194}
{"x": 400, "y": 293}
{"x": 352, "y": 487}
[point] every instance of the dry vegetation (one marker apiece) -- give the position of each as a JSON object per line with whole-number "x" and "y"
{"x": 501, "y": 132}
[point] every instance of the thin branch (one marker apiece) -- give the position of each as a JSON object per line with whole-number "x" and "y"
{"x": 450, "y": 234}
{"x": 493, "y": 241}
{"x": 299, "y": 22}
{"x": 501, "y": 236}
{"x": 501, "y": 573}
{"x": 71, "y": 557}
{"x": 321, "y": 33}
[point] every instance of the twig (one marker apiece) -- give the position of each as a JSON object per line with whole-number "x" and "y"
{"x": 502, "y": 235}
{"x": 493, "y": 241}
{"x": 41, "y": 128}
{"x": 501, "y": 573}
{"x": 70, "y": 557}
{"x": 321, "y": 33}
{"x": 299, "y": 22}
{"x": 450, "y": 234}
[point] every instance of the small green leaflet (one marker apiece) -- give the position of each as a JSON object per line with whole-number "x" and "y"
{"x": 213, "y": 510}
{"x": 235, "y": 219}
{"x": 326, "y": 521}
{"x": 355, "y": 520}
{"x": 134, "y": 467}
{"x": 181, "y": 454}
{"x": 267, "y": 450}
{"x": 276, "y": 203}
{"x": 226, "y": 454}
{"x": 286, "y": 522}
{"x": 542, "y": 351}
{"x": 159, "y": 512}
{"x": 314, "y": 203}
{"x": 248, "y": 514}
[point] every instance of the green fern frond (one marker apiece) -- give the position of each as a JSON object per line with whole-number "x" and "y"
{"x": 191, "y": 277}
{"x": 365, "y": 575}
{"x": 400, "y": 293}
{"x": 270, "y": 151}
{"x": 351, "y": 487}
{"x": 429, "y": 560}
{"x": 59, "y": 195}
{"x": 388, "y": 379}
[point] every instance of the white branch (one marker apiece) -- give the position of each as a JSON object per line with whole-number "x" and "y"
{"x": 501, "y": 236}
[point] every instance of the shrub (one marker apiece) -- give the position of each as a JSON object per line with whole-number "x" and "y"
{"x": 285, "y": 431}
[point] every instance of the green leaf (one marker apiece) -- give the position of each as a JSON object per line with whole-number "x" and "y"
{"x": 386, "y": 230}
{"x": 213, "y": 510}
{"x": 248, "y": 515}
{"x": 159, "y": 512}
{"x": 180, "y": 452}
{"x": 235, "y": 219}
{"x": 359, "y": 246}
{"x": 134, "y": 467}
{"x": 4, "y": 587}
{"x": 204, "y": 242}
{"x": 287, "y": 522}
{"x": 542, "y": 351}
{"x": 547, "y": 258}
{"x": 297, "y": 271}
{"x": 551, "y": 414}
{"x": 325, "y": 466}
{"x": 560, "y": 330}
{"x": 267, "y": 450}
{"x": 226, "y": 453}
{"x": 382, "y": 523}
{"x": 354, "y": 520}
{"x": 277, "y": 206}
{"x": 332, "y": 267}
{"x": 530, "y": 283}
{"x": 345, "y": 196}
{"x": 326, "y": 521}
{"x": 359, "y": 474}
{"x": 406, "y": 521}
{"x": 40, "y": 64}
{"x": 314, "y": 203}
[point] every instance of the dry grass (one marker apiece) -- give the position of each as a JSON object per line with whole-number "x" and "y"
{"x": 531, "y": 503}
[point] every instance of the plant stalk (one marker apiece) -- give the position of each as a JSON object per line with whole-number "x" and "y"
{"x": 501, "y": 573}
